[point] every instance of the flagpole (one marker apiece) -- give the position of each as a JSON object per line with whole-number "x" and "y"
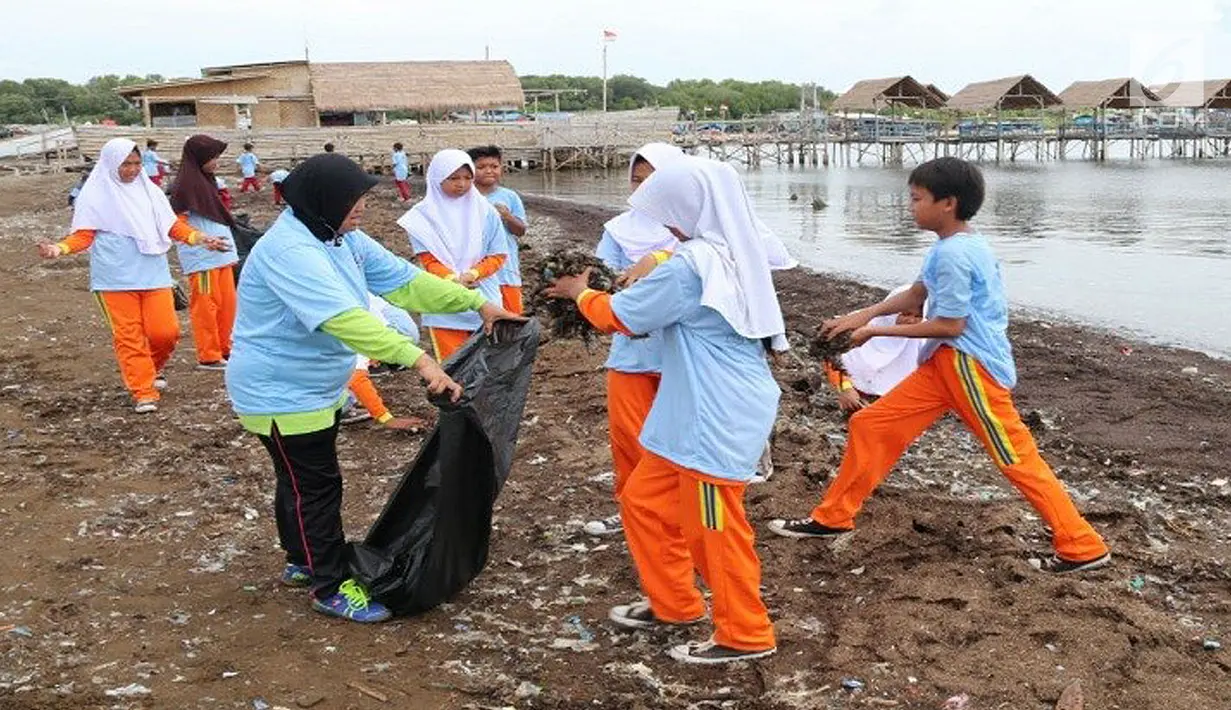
{"x": 605, "y": 43}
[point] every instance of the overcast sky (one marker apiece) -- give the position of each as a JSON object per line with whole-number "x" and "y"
{"x": 950, "y": 42}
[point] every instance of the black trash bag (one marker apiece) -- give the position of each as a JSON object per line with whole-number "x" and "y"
{"x": 431, "y": 539}
{"x": 245, "y": 236}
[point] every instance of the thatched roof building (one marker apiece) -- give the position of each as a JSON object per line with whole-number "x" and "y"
{"x": 303, "y": 94}
{"x": 1212, "y": 93}
{"x": 876, "y": 94}
{"x": 1011, "y": 93}
{"x": 1109, "y": 93}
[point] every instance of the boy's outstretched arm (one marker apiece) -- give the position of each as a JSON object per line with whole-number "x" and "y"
{"x": 938, "y": 327}
{"x": 908, "y": 301}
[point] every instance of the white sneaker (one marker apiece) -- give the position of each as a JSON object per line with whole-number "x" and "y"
{"x": 708, "y": 653}
{"x": 611, "y": 525}
{"x": 146, "y": 406}
{"x": 639, "y": 615}
{"x": 160, "y": 381}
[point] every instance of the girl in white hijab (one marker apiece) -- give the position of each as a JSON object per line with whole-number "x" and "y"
{"x": 457, "y": 235}
{"x": 633, "y": 363}
{"x": 715, "y": 308}
{"x": 878, "y": 365}
{"x": 127, "y": 223}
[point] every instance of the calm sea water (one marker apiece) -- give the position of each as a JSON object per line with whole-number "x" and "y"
{"x": 1142, "y": 248}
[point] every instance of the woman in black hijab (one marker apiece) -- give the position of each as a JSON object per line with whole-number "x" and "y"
{"x": 302, "y": 317}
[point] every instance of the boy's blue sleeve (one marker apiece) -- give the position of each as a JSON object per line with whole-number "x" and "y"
{"x": 952, "y": 276}
{"x": 518, "y": 208}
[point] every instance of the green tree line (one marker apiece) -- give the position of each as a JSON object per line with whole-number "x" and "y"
{"x": 730, "y": 98}
{"x": 49, "y": 100}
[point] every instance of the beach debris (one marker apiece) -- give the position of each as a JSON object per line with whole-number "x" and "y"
{"x": 957, "y": 702}
{"x": 1211, "y": 644}
{"x": 1190, "y": 370}
{"x": 132, "y": 690}
{"x": 818, "y": 204}
{"x": 852, "y": 685}
{"x": 310, "y": 701}
{"x": 364, "y": 690}
{"x": 527, "y": 690}
{"x": 573, "y": 623}
{"x": 794, "y": 197}
{"x": 1071, "y": 698}
{"x": 830, "y": 350}
{"x": 1137, "y": 583}
{"x": 565, "y": 319}
{"x": 261, "y": 704}
{"x": 23, "y": 631}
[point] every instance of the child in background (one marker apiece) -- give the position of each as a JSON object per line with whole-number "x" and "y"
{"x": 73, "y": 193}
{"x": 457, "y": 235}
{"x": 967, "y": 367}
{"x": 275, "y": 179}
{"x": 401, "y": 171}
{"x": 714, "y": 304}
{"x": 248, "y": 163}
{"x": 633, "y": 364}
{"x": 489, "y": 169}
{"x": 361, "y": 385}
{"x": 154, "y": 166}
{"x": 224, "y": 193}
{"x": 877, "y": 366}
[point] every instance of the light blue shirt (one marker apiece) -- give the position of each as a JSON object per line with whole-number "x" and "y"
{"x": 116, "y": 264}
{"x": 717, "y": 401}
{"x": 627, "y": 354}
{"x": 493, "y": 243}
{"x": 292, "y": 283}
{"x": 510, "y": 273}
{"x": 963, "y": 280}
{"x": 198, "y": 258}
{"x": 401, "y": 165}
{"x": 150, "y": 161}
{"x": 247, "y": 163}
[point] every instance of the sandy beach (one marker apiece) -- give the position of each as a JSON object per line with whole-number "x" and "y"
{"x": 142, "y": 557}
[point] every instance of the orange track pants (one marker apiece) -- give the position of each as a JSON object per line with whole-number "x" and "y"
{"x": 675, "y": 517}
{"x": 144, "y": 332}
{"x": 446, "y": 341}
{"x": 954, "y": 381}
{"x": 629, "y": 398}
{"x": 212, "y": 311}
{"x": 363, "y": 389}
{"x": 511, "y": 298}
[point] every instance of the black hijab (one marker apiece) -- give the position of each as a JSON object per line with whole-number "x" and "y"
{"x": 322, "y": 190}
{"x": 195, "y": 190}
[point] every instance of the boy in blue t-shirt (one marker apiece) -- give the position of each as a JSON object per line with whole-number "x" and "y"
{"x": 248, "y": 163}
{"x": 966, "y": 367}
{"x": 489, "y": 169}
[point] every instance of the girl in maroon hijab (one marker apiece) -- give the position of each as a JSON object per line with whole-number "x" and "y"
{"x": 195, "y": 198}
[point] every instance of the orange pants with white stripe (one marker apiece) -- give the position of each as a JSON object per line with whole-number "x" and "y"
{"x": 954, "y": 381}
{"x": 446, "y": 341}
{"x": 144, "y": 332}
{"x": 211, "y": 308}
{"x": 629, "y": 398}
{"x": 675, "y": 518}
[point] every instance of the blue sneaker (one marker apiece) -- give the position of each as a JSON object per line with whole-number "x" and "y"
{"x": 297, "y": 576}
{"x": 352, "y": 602}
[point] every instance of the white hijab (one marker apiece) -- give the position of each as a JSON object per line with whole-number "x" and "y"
{"x": 635, "y": 233}
{"x": 451, "y": 228}
{"x": 706, "y": 201}
{"x": 138, "y": 209}
{"x": 880, "y": 364}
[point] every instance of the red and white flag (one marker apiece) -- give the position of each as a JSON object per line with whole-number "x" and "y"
{"x": 609, "y": 35}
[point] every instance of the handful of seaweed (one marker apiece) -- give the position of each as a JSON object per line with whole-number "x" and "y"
{"x": 830, "y": 350}
{"x": 566, "y": 320}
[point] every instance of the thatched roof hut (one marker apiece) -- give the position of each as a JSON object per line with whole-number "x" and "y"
{"x": 414, "y": 86}
{"x": 1011, "y": 93}
{"x": 1212, "y": 93}
{"x": 1109, "y": 93}
{"x": 876, "y": 94}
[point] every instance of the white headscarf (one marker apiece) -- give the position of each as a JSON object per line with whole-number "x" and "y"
{"x": 880, "y": 364}
{"x": 635, "y": 233}
{"x": 451, "y": 228}
{"x": 136, "y": 209}
{"x": 706, "y": 201}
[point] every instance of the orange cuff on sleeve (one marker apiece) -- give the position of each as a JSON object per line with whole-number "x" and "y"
{"x": 79, "y": 240}
{"x": 183, "y": 232}
{"x": 596, "y": 307}
{"x": 488, "y": 265}
{"x": 434, "y": 267}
